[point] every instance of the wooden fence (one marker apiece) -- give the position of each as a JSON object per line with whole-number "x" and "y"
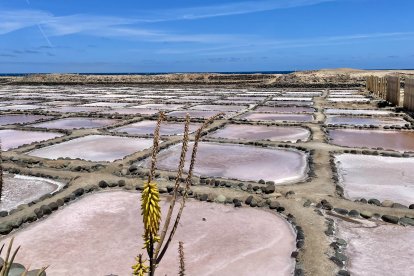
{"x": 393, "y": 90}
{"x": 409, "y": 95}
{"x": 377, "y": 86}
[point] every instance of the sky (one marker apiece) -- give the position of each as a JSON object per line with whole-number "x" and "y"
{"x": 87, "y": 36}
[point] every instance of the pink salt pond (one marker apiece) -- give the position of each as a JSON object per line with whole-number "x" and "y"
{"x": 19, "y": 189}
{"x": 21, "y": 119}
{"x": 202, "y": 114}
{"x": 239, "y": 162}
{"x": 105, "y": 236}
{"x": 383, "y": 178}
{"x": 218, "y": 107}
{"x": 75, "y": 123}
{"x": 284, "y": 109}
{"x": 386, "y": 139}
{"x": 337, "y": 111}
{"x": 147, "y": 128}
{"x": 258, "y": 132}
{"x": 376, "y": 248}
{"x": 94, "y": 148}
{"x": 360, "y": 121}
{"x": 11, "y": 139}
{"x": 257, "y": 116}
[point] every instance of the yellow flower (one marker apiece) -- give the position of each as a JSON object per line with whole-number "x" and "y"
{"x": 151, "y": 211}
{"x": 140, "y": 269}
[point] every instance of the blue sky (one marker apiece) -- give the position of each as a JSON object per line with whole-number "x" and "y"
{"x": 197, "y": 36}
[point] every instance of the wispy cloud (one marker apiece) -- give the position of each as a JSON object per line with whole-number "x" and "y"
{"x": 228, "y": 9}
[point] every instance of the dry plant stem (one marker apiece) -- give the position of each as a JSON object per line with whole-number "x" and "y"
{"x": 161, "y": 117}
{"x": 188, "y": 183}
{"x": 181, "y": 255}
{"x": 177, "y": 185}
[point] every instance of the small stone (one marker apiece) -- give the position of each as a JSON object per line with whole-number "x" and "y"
{"x": 399, "y": 206}
{"x": 353, "y": 213}
{"x": 121, "y": 183}
{"x": 307, "y": 203}
{"x": 338, "y": 262}
{"x": 343, "y": 273}
{"x": 204, "y": 197}
{"x": 294, "y": 254}
{"x": 248, "y": 200}
{"x": 237, "y": 203}
{"x": 341, "y": 242}
{"x": 103, "y": 184}
{"x": 341, "y": 211}
{"x": 3, "y": 214}
{"x": 53, "y": 206}
{"x": 341, "y": 257}
{"x": 366, "y": 214}
{"x": 221, "y": 199}
{"x": 411, "y": 206}
{"x": 407, "y": 221}
{"x": 269, "y": 189}
{"x": 261, "y": 181}
{"x": 390, "y": 219}
{"x": 253, "y": 203}
{"x": 274, "y": 204}
{"x": 46, "y": 210}
{"x": 387, "y": 203}
{"x": 374, "y": 201}
{"x": 5, "y": 228}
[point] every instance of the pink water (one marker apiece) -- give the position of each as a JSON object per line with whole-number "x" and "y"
{"x": 239, "y": 162}
{"x": 94, "y": 148}
{"x": 147, "y": 127}
{"x": 105, "y": 236}
{"x": 11, "y": 139}
{"x": 272, "y": 133}
{"x": 21, "y": 119}
{"x": 75, "y": 123}
{"x": 256, "y": 116}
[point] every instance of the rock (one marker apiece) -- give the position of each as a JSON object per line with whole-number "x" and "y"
{"x": 338, "y": 262}
{"x": 53, "y": 206}
{"x": 269, "y": 189}
{"x": 290, "y": 194}
{"x": 343, "y": 273}
{"x": 38, "y": 212}
{"x": 341, "y": 211}
{"x": 112, "y": 184}
{"x": 221, "y": 199}
{"x": 387, "y": 203}
{"x": 17, "y": 222}
{"x": 374, "y": 201}
{"x": 121, "y": 183}
{"x": 274, "y": 204}
{"x": 60, "y": 202}
{"x": 237, "y": 202}
{"x": 407, "y": 221}
{"x": 210, "y": 198}
{"x": 30, "y": 217}
{"x": 294, "y": 254}
{"x": 3, "y": 214}
{"x": 367, "y": 214}
{"x": 5, "y": 228}
{"x": 103, "y": 184}
{"x": 353, "y": 213}
{"x": 253, "y": 203}
{"x": 411, "y": 206}
{"x": 390, "y": 219}
{"x": 46, "y": 210}
{"x": 163, "y": 190}
{"x": 326, "y": 205}
{"x": 248, "y": 200}
{"x": 124, "y": 171}
{"x": 399, "y": 206}
{"x": 78, "y": 192}
{"x": 261, "y": 204}
{"x": 341, "y": 242}
{"x": 204, "y": 197}
{"x": 307, "y": 203}
{"x": 300, "y": 244}
{"x": 261, "y": 181}
{"x": 133, "y": 168}
{"x": 341, "y": 257}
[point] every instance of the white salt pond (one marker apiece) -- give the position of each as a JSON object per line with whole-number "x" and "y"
{"x": 105, "y": 236}
{"x": 11, "y": 139}
{"x": 383, "y": 178}
{"x": 358, "y": 111}
{"x": 147, "y": 128}
{"x": 217, "y": 107}
{"x": 76, "y": 123}
{"x": 260, "y": 132}
{"x": 20, "y": 189}
{"x": 202, "y": 114}
{"x": 239, "y": 162}
{"x": 376, "y": 248}
{"x": 94, "y": 148}
{"x": 360, "y": 121}
{"x": 284, "y": 109}
{"x": 349, "y": 99}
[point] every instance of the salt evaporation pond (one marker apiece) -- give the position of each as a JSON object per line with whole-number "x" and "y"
{"x": 284, "y": 109}
{"x": 11, "y": 139}
{"x": 239, "y": 162}
{"x": 160, "y": 106}
{"x": 350, "y": 99}
{"x": 289, "y": 103}
{"x": 259, "y": 132}
{"x": 75, "y": 123}
{"x": 21, "y": 119}
{"x": 217, "y": 107}
{"x": 94, "y": 148}
{"x": 361, "y": 177}
{"x": 19, "y": 189}
{"x": 109, "y": 223}
{"x": 256, "y": 116}
{"x": 202, "y": 114}
{"x": 358, "y": 111}
{"x": 354, "y": 120}
{"x": 147, "y": 127}
{"x": 131, "y": 111}
{"x": 376, "y": 248}
{"x": 386, "y": 139}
